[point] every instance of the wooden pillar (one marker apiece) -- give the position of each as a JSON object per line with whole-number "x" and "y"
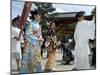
{"x": 24, "y": 15}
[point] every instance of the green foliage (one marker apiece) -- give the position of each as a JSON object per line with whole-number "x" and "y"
{"x": 45, "y": 8}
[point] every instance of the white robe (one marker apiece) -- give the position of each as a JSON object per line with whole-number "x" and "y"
{"x": 84, "y": 31}
{"x": 15, "y": 44}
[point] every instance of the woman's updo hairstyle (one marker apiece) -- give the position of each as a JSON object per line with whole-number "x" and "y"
{"x": 35, "y": 12}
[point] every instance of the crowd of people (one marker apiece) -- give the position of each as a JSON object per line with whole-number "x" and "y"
{"x": 28, "y": 48}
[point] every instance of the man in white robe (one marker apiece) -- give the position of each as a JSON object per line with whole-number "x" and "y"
{"x": 84, "y": 31}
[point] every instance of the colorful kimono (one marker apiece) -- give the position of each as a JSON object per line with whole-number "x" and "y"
{"x": 31, "y": 57}
{"x": 51, "y": 49}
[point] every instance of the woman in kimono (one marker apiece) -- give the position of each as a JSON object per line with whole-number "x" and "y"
{"x": 84, "y": 31}
{"x": 31, "y": 56}
{"x": 51, "y": 45}
{"x": 51, "y": 50}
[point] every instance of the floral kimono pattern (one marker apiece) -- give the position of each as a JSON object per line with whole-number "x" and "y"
{"x": 51, "y": 49}
{"x": 31, "y": 57}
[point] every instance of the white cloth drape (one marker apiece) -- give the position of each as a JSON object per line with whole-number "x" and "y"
{"x": 15, "y": 44}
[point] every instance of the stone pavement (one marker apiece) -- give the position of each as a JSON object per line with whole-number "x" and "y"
{"x": 58, "y": 65}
